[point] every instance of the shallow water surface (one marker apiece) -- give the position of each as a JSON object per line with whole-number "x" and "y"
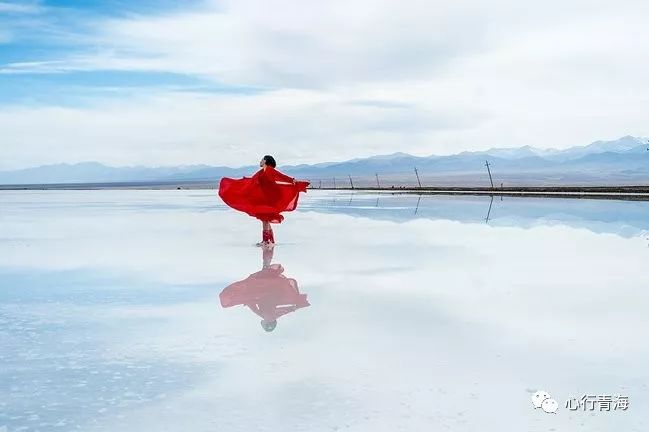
{"x": 143, "y": 310}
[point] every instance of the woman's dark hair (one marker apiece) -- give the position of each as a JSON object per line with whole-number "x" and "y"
{"x": 270, "y": 161}
{"x": 269, "y": 326}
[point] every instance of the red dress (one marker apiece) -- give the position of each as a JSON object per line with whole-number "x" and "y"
{"x": 268, "y": 293}
{"x": 264, "y": 195}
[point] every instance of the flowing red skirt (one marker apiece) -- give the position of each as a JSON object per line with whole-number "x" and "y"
{"x": 262, "y": 196}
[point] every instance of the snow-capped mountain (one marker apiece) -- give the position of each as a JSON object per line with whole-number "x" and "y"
{"x": 622, "y": 160}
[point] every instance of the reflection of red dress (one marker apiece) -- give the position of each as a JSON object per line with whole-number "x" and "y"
{"x": 264, "y": 195}
{"x": 268, "y": 293}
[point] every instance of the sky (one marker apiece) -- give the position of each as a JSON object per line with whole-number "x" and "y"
{"x": 173, "y": 82}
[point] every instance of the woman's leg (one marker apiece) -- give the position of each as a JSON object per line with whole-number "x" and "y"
{"x": 263, "y": 234}
{"x": 269, "y": 232}
{"x": 266, "y": 234}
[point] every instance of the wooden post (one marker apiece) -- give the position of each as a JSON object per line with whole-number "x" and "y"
{"x": 334, "y": 182}
{"x": 378, "y": 185}
{"x": 489, "y": 171}
{"x": 320, "y": 187}
{"x": 351, "y": 183}
{"x": 417, "y": 174}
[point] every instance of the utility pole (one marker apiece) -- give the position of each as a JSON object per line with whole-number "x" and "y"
{"x": 417, "y": 174}
{"x": 351, "y": 183}
{"x": 378, "y": 185}
{"x": 489, "y": 171}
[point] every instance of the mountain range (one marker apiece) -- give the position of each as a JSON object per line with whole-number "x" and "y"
{"x": 621, "y": 161}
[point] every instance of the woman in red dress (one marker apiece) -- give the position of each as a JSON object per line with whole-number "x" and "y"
{"x": 263, "y": 196}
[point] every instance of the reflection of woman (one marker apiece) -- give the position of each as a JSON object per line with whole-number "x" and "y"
{"x": 263, "y": 196}
{"x": 268, "y": 293}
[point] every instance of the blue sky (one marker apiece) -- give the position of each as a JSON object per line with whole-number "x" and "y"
{"x": 42, "y": 31}
{"x": 224, "y": 81}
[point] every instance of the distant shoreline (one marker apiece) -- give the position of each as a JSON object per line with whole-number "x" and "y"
{"x": 637, "y": 193}
{"x": 113, "y": 185}
{"x": 629, "y": 193}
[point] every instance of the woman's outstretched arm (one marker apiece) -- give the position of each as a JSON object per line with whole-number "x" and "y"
{"x": 282, "y": 177}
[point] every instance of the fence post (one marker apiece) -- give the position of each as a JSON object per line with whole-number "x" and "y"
{"x": 334, "y": 182}
{"x": 378, "y": 185}
{"x": 351, "y": 183}
{"x": 417, "y": 174}
{"x": 489, "y": 171}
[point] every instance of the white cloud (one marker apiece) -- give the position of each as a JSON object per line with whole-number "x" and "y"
{"x": 351, "y": 79}
{"x": 8, "y": 17}
{"x": 19, "y": 8}
{"x": 175, "y": 128}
